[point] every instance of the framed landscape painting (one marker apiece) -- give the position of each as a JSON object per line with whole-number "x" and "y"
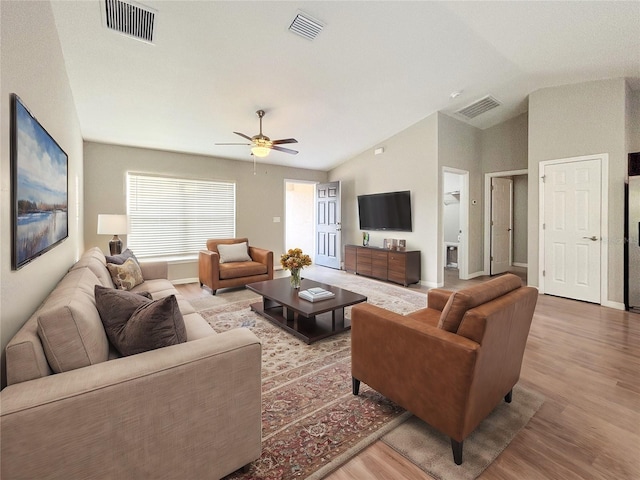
{"x": 39, "y": 188}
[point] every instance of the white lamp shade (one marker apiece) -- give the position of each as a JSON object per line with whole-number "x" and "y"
{"x": 113, "y": 224}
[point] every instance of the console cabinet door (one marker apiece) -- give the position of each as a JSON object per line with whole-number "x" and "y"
{"x": 379, "y": 264}
{"x": 363, "y": 261}
{"x": 350, "y": 258}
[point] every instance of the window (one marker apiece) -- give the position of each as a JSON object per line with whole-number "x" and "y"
{"x": 175, "y": 216}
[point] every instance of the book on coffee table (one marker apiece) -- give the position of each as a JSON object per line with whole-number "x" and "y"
{"x": 316, "y": 294}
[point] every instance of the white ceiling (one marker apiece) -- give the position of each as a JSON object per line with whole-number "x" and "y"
{"x": 375, "y": 69}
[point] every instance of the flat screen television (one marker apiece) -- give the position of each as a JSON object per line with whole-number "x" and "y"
{"x": 385, "y": 211}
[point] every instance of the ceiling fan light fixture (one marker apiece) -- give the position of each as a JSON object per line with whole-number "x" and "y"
{"x": 260, "y": 151}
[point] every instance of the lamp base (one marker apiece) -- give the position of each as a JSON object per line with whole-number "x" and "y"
{"x": 115, "y": 245}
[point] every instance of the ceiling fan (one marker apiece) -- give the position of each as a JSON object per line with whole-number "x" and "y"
{"x": 261, "y": 144}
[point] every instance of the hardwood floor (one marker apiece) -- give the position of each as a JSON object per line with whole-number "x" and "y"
{"x": 585, "y": 359}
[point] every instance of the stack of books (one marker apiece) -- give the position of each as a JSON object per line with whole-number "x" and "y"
{"x": 316, "y": 294}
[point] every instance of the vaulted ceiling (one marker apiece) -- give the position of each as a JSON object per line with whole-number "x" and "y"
{"x": 375, "y": 69}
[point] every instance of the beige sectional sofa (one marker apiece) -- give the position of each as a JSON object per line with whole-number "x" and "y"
{"x": 75, "y": 409}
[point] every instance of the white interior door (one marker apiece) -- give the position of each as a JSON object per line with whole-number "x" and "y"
{"x": 328, "y": 230}
{"x": 501, "y": 224}
{"x": 571, "y": 229}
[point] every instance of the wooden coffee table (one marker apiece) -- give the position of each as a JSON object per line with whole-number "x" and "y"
{"x": 309, "y": 321}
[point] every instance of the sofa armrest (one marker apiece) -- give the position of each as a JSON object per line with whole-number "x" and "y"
{"x": 154, "y": 270}
{"x": 263, "y": 256}
{"x": 417, "y": 365}
{"x": 187, "y": 411}
{"x": 437, "y": 298}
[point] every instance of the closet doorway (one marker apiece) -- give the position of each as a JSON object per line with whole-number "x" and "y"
{"x": 505, "y": 228}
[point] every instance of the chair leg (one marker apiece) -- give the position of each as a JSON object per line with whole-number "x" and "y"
{"x": 355, "y": 385}
{"x": 457, "y": 451}
{"x": 213, "y": 292}
{"x": 508, "y": 396}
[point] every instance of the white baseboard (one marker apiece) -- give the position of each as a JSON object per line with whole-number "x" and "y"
{"x": 610, "y": 304}
{"x": 181, "y": 281}
{"x": 518, "y": 264}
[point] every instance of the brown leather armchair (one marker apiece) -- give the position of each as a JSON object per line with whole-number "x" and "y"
{"x": 449, "y": 364}
{"x": 217, "y": 275}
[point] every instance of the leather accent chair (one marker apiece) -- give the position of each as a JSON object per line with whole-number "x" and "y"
{"x": 217, "y": 275}
{"x": 450, "y": 364}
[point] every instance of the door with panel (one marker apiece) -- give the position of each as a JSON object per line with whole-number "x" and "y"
{"x": 571, "y": 229}
{"x": 328, "y": 230}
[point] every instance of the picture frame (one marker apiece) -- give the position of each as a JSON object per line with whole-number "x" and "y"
{"x": 39, "y": 188}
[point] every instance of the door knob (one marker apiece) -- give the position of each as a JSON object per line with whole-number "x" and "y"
{"x": 592, "y": 238}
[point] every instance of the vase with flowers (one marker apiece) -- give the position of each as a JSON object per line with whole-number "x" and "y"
{"x": 294, "y": 261}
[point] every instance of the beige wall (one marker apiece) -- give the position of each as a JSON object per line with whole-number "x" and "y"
{"x": 459, "y": 147}
{"x": 33, "y": 68}
{"x": 504, "y": 147}
{"x": 409, "y": 162}
{"x": 259, "y": 197}
{"x": 520, "y": 202}
{"x": 572, "y": 121}
{"x": 633, "y": 120}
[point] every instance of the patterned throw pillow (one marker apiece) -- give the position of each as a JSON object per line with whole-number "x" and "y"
{"x": 127, "y": 275}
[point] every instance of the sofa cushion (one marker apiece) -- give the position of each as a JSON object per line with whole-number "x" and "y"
{"x": 235, "y": 252}
{"x": 121, "y": 257}
{"x": 241, "y": 269}
{"x": 127, "y": 275}
{"x": 453, "y": 311}
{"x": 135, "y": 324}
{"x": 69, "y": 326}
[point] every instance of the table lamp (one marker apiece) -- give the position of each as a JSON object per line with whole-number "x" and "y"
{"x": 113, "y": 225}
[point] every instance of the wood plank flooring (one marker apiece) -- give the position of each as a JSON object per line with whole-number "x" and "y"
{"x": 585, "y": 359}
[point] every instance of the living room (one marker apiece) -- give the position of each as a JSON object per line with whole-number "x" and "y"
{"x": 568, "y": 119}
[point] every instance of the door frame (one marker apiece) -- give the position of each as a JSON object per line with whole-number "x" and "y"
{"x": 463, "y": 247}
{"x": 487, "y": 211}
{"x": 604, "y": 221}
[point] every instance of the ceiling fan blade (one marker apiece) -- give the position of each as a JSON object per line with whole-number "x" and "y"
{"x": 243, "y": 135}
{"x": 232, "y": 144}
{"x": 285, "y": 150}
{"x": 284, "y": 140}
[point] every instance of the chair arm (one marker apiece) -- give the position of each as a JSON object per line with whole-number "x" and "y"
{"x": 437, "y": 298}
{"x": 263, "y": 256}
{"x": 417, "y": 365}
{"x": 176, "y": 412}
{"x": 209, "y": 268}
{"x": 154, "y": 270}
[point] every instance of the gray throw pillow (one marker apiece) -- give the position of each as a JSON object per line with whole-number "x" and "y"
{"x": 121, "y": 257}
{"x": 135, "y": 324}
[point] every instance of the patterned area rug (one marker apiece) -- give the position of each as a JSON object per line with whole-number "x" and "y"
{"x": 311, "y": 422}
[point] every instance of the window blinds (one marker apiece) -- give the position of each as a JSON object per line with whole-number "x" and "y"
{"x": 175, "y": 216}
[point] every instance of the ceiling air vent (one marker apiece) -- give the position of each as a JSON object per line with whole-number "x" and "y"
{"x": 478, "y": 108}
{"x": 129, "y": 18}
{"x": 305, "y": 26}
